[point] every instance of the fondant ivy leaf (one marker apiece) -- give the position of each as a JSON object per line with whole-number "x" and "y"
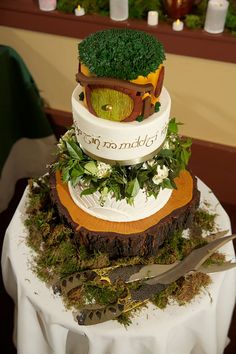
{"x": 173, "y": 126}
{"x": 143, "y": 176}
{"x": 90, "y": 168}
{"x": 76, "y": 173}
{"x": 133, "y": 188}
{"x": 185, "y": 156}
{"x": 166, "y": 153}
{"x": 73, "y": 149}
{"x": 167, "y": 183}
{"x": 66, "y": 173}
{"x": 187, "y": 143}
{"x": 88, "y": 191}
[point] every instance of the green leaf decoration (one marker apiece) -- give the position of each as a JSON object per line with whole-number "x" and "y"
{"x": 88, "y": 191}
{"x": 173, "y": 126}
{"x": 123, "y": 182}
{"x": 185, "y": 156}
{"x": 91, "y": 168}
{"x": 166, "y": 153}
{"x": 76, "y": 173}
{"x": 157, "y": 106}
{"x": 140, "y": 118}
{"x": 81, "y": 96}
{"x": 66, "y": 173}
{"x": 167, "y": 184}
{"x": 133, "y": 188}
{"x": 74, "y": 151}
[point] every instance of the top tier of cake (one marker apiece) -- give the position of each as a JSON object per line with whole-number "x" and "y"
{"x": 122, "y": 73}
{"x": 120, "y": 110}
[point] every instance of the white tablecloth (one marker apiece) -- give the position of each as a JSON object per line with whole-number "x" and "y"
{"x": 44, "y": 326}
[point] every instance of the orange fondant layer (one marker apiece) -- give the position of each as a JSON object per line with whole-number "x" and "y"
{"x": 179, "y": 198}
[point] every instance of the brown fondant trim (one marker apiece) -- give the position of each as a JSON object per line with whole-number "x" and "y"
{"x": 107, "y": 82}
{"x": 160, "y": 82}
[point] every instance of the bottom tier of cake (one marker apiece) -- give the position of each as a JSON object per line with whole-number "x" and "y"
{"x": 126, "y": 239}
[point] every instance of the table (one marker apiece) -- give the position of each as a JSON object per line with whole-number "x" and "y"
{"x": 44, "y": 326}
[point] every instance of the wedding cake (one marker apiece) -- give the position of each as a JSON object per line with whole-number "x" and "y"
{"x": 120, "y": 179}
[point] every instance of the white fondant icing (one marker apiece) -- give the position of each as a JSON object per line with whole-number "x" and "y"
{"x": 119, "y": 211}
{"x": 117, "y": 141}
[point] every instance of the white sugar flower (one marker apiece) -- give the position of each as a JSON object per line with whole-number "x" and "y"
{"x": 151, "y": 162}
{"x": 144, "y": 166}
{"x": 166, "y": 145}
{"x": 103, "y": 170}
{"x": 162, "y": 173}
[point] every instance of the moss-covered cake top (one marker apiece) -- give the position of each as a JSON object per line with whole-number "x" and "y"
{"x": 121, "y": 53}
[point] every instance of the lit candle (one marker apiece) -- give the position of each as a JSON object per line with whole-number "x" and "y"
{"x": 119, "y": 10}
{"x": 152, "y": 19}
{"x": 216, "y": 16}
{"x": 79, "y": 11}
{"x": 177, "y": 25}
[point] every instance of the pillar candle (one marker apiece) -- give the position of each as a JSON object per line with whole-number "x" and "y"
{"x": 216, "y": 16}
{"x": 119, "y": 10}
{"x": 152, "y": 19}
{"x": 47, "y": 5}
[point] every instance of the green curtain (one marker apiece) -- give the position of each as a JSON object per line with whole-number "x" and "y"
{"x": 27, "y": 142}
{"x": 21, "y": 107}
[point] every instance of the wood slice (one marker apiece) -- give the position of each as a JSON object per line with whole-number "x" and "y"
{"x": 125, "y": 239}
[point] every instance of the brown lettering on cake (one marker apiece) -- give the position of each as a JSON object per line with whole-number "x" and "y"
{"x": 140, "y": 141}
{"x": 125, "y": 146}
{"x": 88, "y": 139}
{"x": 151, "y": 140}
{"x": 97, "y": 142}
{"x": 77, "y": 129}
{"x": 109, "y": 145}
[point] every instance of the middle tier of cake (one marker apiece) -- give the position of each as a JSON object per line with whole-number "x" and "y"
{"x": 115, "y": 142}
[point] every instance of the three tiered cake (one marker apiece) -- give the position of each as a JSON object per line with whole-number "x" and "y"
{"x": 120, "y": 178}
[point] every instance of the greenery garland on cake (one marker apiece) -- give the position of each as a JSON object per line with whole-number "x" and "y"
{"x": 123, "y": 182}
{"x": 138, "y": 10}
{"x": 121, "y": 53}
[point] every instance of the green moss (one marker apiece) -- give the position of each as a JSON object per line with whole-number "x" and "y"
{"x": 161, "y": 300}
{"x": 104, "y": 294}
{"x": 204, "y": 220}
{"x": 176, "y": 248}
{"x": 216, "y": 258}
{"x": 121, "y": 53}
{"x": 190, "y": 286}
{"x": 125, "y": 318}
